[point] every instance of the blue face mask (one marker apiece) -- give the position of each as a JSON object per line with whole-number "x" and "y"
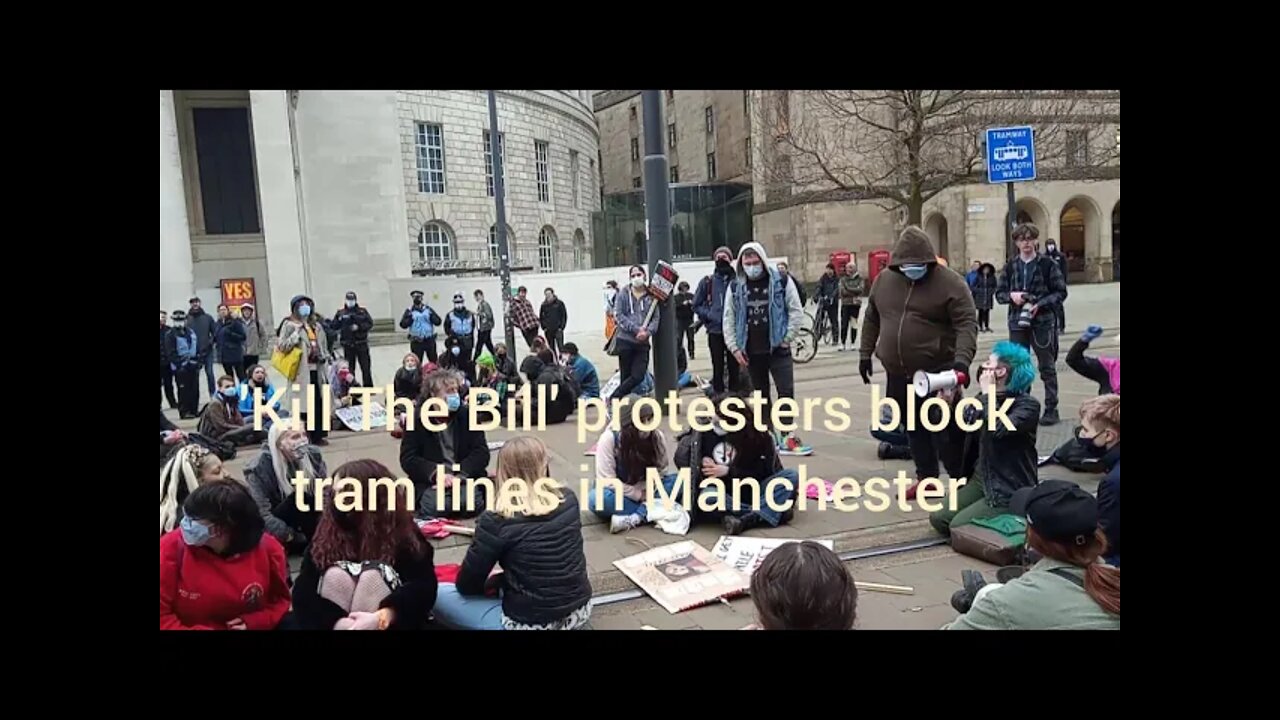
{"x": 454, "y": 401}
{"x": 194, "y": 533}
{"x": 304, "y": 310}
{"x": 455, "y": 350}
{"x": 914, "y": 272}
{"x": 754, "y": 271}
{"x": 230, "y": 393}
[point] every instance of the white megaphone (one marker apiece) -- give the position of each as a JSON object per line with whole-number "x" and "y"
{"x": 929, "y": 383}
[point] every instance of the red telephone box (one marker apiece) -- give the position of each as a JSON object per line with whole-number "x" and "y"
{"x": 879, "y": 260}
{"x": 841, "y": 258}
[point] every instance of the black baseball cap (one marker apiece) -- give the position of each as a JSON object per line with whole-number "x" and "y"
{"x": 1058, "y": 510}
{"x": 351, "y": 294}
{"x": 416, "y": 293}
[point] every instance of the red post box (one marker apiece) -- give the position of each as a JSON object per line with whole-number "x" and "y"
{"x": 879, "y": 260}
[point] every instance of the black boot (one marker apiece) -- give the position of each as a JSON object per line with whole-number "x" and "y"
{"x": 962, "y": 599}
{"x": 736, "y": 525}
{"x": 1050, "y": 417}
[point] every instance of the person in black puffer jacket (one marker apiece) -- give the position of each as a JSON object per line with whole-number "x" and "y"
{"x": 535, "y": 532}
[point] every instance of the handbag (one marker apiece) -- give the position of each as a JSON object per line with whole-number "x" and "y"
{"x": 287, "y": 363}
{"x": 611, "y": 347}
{"x": 997, "y": 540}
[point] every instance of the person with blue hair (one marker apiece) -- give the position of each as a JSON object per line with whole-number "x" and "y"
{"x": 997, "y": 460}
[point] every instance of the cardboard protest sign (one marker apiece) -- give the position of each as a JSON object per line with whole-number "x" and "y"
{"x": 745, "y": 554}
{"x": 353, "y": 417}
{"x": 682, "y": 576}
{"x": 237, "y": 292}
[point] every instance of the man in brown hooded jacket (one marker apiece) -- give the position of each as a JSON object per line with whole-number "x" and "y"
{"x": 919, "y": 317}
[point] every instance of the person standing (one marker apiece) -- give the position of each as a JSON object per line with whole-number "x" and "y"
{"x": 1033, "y": 282}
{"x": 301, "y": 330}
{"x": 420, "y": 320}
{"x": 1051, "y": 250}
{"x": 828, "y": 290}
{"x": 786, "y": 275}
{"x": 485, "y": 323}
{"x": 629, "y": 310}
{"x": 525, "y": 319}
{"x": 684, "y": 315}
{"x": 708, "y": 305}
{"x": 852, "y": 288}
{"x": 919, "y": 317}
{"x": 182, "y": 348}
{"x": 255, "y": 340}
{"x": 353, "y": 323}
{"x": 202, "y": 323}
{"x": 166, "y": 372}
{"x": 610, "y": 292}
{"x": 460, "y": 323}
{"x": 230, "y": 336}
{"x": 984, "y": 294}
{"x": 555, "y": 318}
{"x": 762, "y": 315}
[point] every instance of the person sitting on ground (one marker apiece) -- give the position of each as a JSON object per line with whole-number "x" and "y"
{"x": 561, "y": 402}
{"x": 221, "y": 419}
{"x": 456, "y": 357}
{"x": 803, "y": 586}
{"x": 189, "y": 467}
{"x": 256, "y": 379}
{"x": 368, "y": 569}
{"x": 584, "y": 373}
{"x": 170, "y": 436}
{"x": 532, "y": 364}
{"x": 534, "y": 532}
{"x": 684, "y": 379}
{"x": 625, "y": 456}
{"x": 1106, "y": 372}
{"x": 408, "y": 379}
{"x": 270, "y": 477}
{"x": 745, "y": 461}
{"x": 341, "y": 380}
{"x": 997, "y": 461}
{"x": 219, "y": 571}
{"x": 427, "y": 456}
{"x": 1100, "y": 438}
{"x": 1067, "y": 589}
{"x": 505, "y": 366}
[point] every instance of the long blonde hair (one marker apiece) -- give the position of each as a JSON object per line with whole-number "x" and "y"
{"x": 525, "y": 458}
{"x": 182, "y": 471}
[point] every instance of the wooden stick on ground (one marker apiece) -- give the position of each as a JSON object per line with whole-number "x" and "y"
{"x": 881, "y": 587}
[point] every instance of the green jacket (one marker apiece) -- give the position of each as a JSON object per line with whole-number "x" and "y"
{"x": 1039, "y": 600}
{"x": 851, "y": 289}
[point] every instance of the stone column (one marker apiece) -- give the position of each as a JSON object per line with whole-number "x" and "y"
{"x": 278, "y": 194}
{"x": 177, "y": 279}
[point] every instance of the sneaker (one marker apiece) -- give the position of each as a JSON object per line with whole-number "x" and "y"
{"x": 1050, "y": 417}
{"x": 841, "y": 348}
{"x": 623, "y": 523}
{"x": 910, "y": 494}
{"x": 738, "y": 525}
{"x": 791, "y": 445}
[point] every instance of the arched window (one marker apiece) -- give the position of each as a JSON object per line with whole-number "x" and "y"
{"x": 579, "y": 250}
{"x": 434, "y": 243}
{"x": 493, "y": 243}
{"x": 547, "y": 250}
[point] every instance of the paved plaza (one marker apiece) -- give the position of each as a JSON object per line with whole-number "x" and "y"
{"x": 934, "y": 573}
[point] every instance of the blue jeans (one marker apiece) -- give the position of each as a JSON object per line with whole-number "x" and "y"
{"x": 629, "y": 506}
{"x": 208, "y": 373}
{"x": 685, "y": 380}
{"x": 781, "y": 494}
{"x": 467, "y": 612}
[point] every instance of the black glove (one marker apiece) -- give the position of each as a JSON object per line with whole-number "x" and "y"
{"x": 962, "y": 368}
{"x": 864, "y": 369}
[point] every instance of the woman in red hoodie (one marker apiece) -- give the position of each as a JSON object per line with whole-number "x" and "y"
{"x": 218, "y": 570}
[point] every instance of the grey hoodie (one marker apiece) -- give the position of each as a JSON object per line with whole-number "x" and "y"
{"x": 629, "y": 312}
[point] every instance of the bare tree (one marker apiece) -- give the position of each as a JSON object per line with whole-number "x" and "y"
{"x": 899, "y": 148}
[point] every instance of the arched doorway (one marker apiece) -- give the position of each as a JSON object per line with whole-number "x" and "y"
{"x": 936, "y": 227}
{"x": 1115, "y": 241}
{"x": 1080, "y": 240}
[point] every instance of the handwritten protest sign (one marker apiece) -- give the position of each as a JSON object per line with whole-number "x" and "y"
{"x": 353, "y": 417}
{"x": 745, "y": 554}
{"x": 682, "y": 575}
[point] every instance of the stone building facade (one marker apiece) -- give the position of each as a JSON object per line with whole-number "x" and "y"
{"x": 320, "y": 192}
{"x": 708, "y": 136}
